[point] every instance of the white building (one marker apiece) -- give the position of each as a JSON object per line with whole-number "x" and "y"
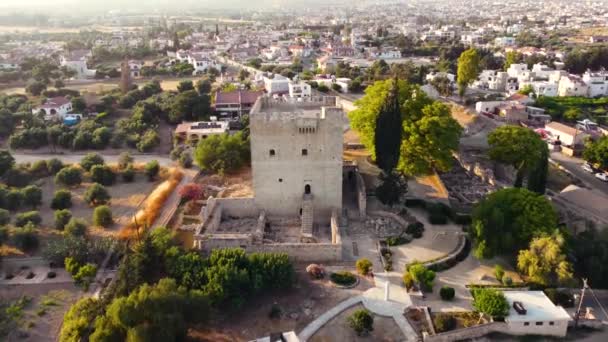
{"x": 54, "y": 108}
{"x": 431, "y": 76}
{"x": 202, "y": 62}
{"x": 492, "y": 80}
{"x": 597, "y": 83}
{"x": 299, "y": 89}
{"x": 533, "y": 313}
{"x": 77, "y": 62}
{"x": 276, "y": 84}
{"x": 516, "y": 70}
{"x": 504, "y": 41}
{"x": 571, "y": 85}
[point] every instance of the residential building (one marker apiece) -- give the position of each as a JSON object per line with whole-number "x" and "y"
{"x": 432, "y": 75}
{"x": 533, "y": 313}
{"x": 572, "y": 85}
{"x": 77, "y": 62}
{"x": 299, "y": 90}
{"x": 193, "y": 132}
{"x": 276, "y": 84}
{"x": 504, "y": 41}
{"x": 569, "y": 136}
{"x": 597, "y": 83}
{"x": 55, "y": 108}
{"x": 202, "y": 62}
{"x": 234, "y": 104}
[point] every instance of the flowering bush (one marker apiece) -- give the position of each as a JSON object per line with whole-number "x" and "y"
{"x": 191, "y": 192}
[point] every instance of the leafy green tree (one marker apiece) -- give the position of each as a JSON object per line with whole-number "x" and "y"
{"x": 364, "y": 266}
{"x": 152, "y": 169}
{"x": 103, "y": 175}
{"x": 392, "y": 187}
{"x": 13, "y": 199}
{"x": 545, "y": 261}
{"x": 185, "y": 86}
{"x": 203, "y": 87}
{"x": 85, "y": 275}
{"x": 78, "y": 105}
{"x": 512, "y": 57}
{"x": 361, "y": 321}
{"x": 62, "y": 217}
{"x": 128, "y": 174}
{"x": 32, "y": 195}
{"x": 490, "y": 302}
{"x": 28, "y": 217}
{"x": 572, "y": 114}
{"x": 76, "y": 322}
{"x": 54, "y": 165}
{"x": 69, "y": 176}
{"x": 429, "y": 136}
{"x": 5, "y": 217}
{"x": 517, "y": 146}
{"x": 596, "y": 152}
{"x": 102, "y": 216}
{"x": 124, "y": 159}
{"x": 26, "y": 238}
{"x": 148, "y": 141}
{"x": 222, "y": 153}
{"x": 422, "y": 275}
{"x": 6, "y": 161}
{"x": 76, "y": 227}
{"x": 508, "y": 219}
{"x": 468, "y": 69}
{"x": 90, "y": 160}
{"x": 96, "y": 194}
{"x": 62, "y": 199}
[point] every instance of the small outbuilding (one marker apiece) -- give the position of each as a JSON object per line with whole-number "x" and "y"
{"x": 533, "y": 313}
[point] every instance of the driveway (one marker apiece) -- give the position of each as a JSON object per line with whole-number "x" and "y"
{"x": 573, "y": 165}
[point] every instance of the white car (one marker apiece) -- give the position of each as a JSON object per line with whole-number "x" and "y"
{"x": 602, "y": 176}
{"x": 587, "y": 167}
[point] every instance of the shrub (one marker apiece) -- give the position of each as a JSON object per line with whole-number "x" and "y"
{"x": 490, "y": 302}
{"x": 397, "y": 240}
{"x": 499, "y": 272}
{"x": 408, "y": 281}
{"x": 54, "y": 165}
{"x": 102, "y": 174}
{"x": 5, "y": 217}
{"x": 315, "y": 271}
{"x": 51, "y": 275}
{"x": 17, "y": 177}
{"x": 61, "y": 200}
{"x": 32, "y": 195}
{"x": 25, "y": 238}
{"x": 185, "y": 160}
{"x": 62, "y": 217}
{"x": 76, "y": 227}
{"x": 128, "y": 174}
{"x": 124, "y": 159}
{"x": 361, "y": 321}
{"x": 90, "y": 160}
{"x": 415, "y": 229}
{"x": 102, "y": 216}
{"x": 447, "y": 293}
{"x": 152, "y": 169}
{"x": 444, "y": 322}
{"x": 191, "y": 192}
{"x": 422, "y": 275}
{"x": 96, "y": 194}
{"x": 562, "y": 298}
{"x": 32, "y": 217}
{"x": 364, "y": 266}
{"x": 343, "y": 278}
{"x": 14, "y": 199}
{"x": 39, "y": 168}
{"x": 437, "y": 213}
{"x": 507, "y": 281}
{"x": 69, "y": 176}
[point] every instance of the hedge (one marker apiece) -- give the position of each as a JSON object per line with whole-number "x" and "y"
{"x": 343, "y": 278}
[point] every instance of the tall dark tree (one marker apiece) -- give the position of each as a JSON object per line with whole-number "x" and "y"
{"x": 537, "y": 178}
{"x": 175, "y": 41}
{"x": 387, "y": 138}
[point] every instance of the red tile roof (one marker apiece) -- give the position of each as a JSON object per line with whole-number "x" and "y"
{"x": 55, "y": 102}
{"x": 237, "y": 96}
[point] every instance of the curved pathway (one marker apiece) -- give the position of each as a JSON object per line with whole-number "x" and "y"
{"x": 373, "y": 300}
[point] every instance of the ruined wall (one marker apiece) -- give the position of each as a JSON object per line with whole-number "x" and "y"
{"x": 238, "y": 207}
{"x": 361, "y": 196}
{"x": 467, "y": 333}
{"x": 336, "y": 237}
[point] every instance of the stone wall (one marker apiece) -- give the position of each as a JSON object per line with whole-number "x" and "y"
{"x": 462, "y": 242}
{"x": 336, "y": 237}
{"x": 211, "y": 217}
{"x": 238, "y": 207}
{"x": 386, "y": 214}
{"x": 468, "y": 333}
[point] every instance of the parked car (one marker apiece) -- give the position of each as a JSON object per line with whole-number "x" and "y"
{"x": 602, "y": 176}
{"x": 587, "y": 167}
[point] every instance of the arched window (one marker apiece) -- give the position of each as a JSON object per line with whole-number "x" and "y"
{"x": 272, "y": 153}
{"x": 307, "y": 189}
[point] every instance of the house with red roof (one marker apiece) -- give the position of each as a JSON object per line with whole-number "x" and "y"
{"x": 235, "y": 103}
{"x": 54, "y": 108}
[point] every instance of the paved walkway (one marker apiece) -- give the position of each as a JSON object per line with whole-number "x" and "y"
{"x": 373, "y": 300}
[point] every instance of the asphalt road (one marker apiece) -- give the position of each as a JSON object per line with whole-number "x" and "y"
{"x": 573, "y": 165}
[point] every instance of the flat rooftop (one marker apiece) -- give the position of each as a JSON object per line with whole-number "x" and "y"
{"x": 538, "y": 306}
{"x": 267, "y": 104}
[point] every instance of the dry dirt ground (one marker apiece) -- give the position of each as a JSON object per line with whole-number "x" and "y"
{"x": 43, "y": 316}
{"x": 299, "y": 306}
{"x": 126, "y": 198}
{"x": 337, "y": 329}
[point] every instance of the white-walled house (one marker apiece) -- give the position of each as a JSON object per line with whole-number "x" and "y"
{"x": 597, "y": 82}
{"x": 504, "y": 41}
{"x": 77, "y": 62}
{"x": 202, "y": 63}
{"x": 492, "y": 80}
{"x": 277, "y": 84}
{"x": 54, "y": 108}
{"x": 572, "y": 85}
{"x": 569, "y": 136}
{"x": 533, "y": 313}
{"x": 300, "y": 90}
{"x": 515, "y": 70}
{"x": 432, "y": 75}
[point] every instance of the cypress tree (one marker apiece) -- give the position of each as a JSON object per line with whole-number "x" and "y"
{"x": 537, "y": 177}
{"x": 387, "y": 136}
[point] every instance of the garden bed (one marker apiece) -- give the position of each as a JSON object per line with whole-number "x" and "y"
{"x": 344, "y": 279}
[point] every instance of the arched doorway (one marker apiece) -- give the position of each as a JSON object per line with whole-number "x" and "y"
{"x": 307, "y": 189}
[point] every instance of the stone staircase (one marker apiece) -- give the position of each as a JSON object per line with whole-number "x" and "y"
{"x": 307, "y": 216}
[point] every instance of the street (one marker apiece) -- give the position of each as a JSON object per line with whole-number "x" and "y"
{"x": 573, "y": 165}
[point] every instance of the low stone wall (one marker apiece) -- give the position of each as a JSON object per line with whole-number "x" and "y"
{"x": 211, "y": 216}
{"x": 450, "y": 257}
{"x": 389, "y": 215}
{"x": 467, "y": 333}
{"x": 307, "y": 252}
{"x": 238, "y": 207}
